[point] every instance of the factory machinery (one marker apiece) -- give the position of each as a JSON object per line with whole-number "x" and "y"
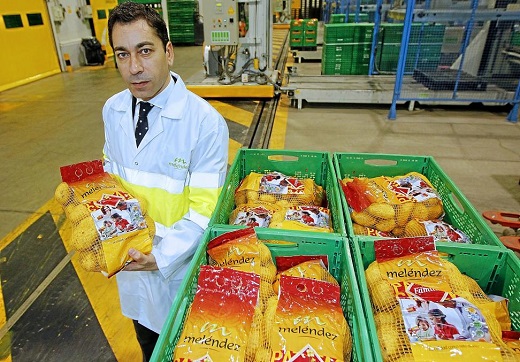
{"x": 238, "y": 50}
{"x": 445, "y": 52}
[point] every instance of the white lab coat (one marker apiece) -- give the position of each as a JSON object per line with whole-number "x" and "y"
{"x": 187, "y": 146}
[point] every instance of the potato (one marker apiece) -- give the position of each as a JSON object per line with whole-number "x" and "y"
{"x": 78, "y": 213}
{"x": 381, "y": 210}
{"x": 64, "y": 194}
{"x": 268, "y": 198}
{"x": 363, "y": 218}
{"x": 419, "y": 212}
{"x": 84, "y": 234}
{"x": 414, "y": 228}
{"x": 403, "y": 212}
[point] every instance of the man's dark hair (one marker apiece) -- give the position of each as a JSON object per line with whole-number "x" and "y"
{"x": 128, "y": 12}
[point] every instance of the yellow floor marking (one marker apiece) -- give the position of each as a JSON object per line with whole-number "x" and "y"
{"x": 277, "y": 140}
{"x": 5, "y": 344}
{"x": 234, "y": 146}
{"x": 236, "y": 114}
{"x": 104, "y": 299}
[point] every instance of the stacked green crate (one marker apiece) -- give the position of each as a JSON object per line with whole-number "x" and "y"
{"x": 296, "y": 33}
{"x": 303, "y": 33}
{"x": 424, "y": 47}
{"x": 181, "y": 21}
{"x": 337, "y": 18}
{"x": 310, "y": 33}
{"x": 346, "y": 48}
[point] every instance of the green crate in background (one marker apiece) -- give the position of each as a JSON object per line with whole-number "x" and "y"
{"x": 362, "y": 17}
{"x": 299, "y": 243}
{"x": 339, "y": 33}
{"x": 496, "y": 270}
{"x": 301, "y": 164}
{"x": 310, "y": 24}
{"x": 515, "y": 39}
{"x": 459, "y": 212}
{"x": 337, "y": 18}
{"x": 336, "y": 68}
{"x": 296, "y": 24}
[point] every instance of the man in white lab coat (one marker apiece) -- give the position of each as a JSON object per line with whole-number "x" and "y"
{"x": 177, "y": 168}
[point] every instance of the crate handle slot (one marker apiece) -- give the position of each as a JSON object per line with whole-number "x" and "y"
{"x": 456, "y": 203}
{"x": 380, "y": 162}
{"x": 283, "y": 158}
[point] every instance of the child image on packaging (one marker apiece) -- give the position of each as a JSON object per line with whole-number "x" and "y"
{"x": 121, "y": 217}
{"x": 109, "y": 229}
{"x": 424, "y": 330}
{"x": 442, "y": 328}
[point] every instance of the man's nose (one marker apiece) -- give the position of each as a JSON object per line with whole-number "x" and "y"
{"x": 135, "y": 65}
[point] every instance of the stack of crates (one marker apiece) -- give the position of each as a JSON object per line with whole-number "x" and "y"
{"x": 346, "y": 48}
{"x": 304, "y": 34}
{"x": 181, "y": 21}
{"x": 424, "y": 47}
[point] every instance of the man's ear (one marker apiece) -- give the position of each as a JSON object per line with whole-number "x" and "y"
{"x": 169, "y": 53}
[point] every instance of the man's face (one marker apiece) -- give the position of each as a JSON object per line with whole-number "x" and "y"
{"x": 141, "y": 59}
{"x": 423, "y": 325}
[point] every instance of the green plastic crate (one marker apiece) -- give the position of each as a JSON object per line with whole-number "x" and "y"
{"x": 342, "y": 68}
{"x": 310, "y": 24}
{"x": 458, "y": 210}
{"x": 515, "y": 39}
{"x": 302, "y": 164}
{"x": 296, "y": 24}
{"x": 339, "y": 33}
{"x": 337, "y": 18}
{"x": 496, "y": 270}
{"x": 391, "y": 32}
{"x": 362, "y": 17}
{"x": 301, "y": 243}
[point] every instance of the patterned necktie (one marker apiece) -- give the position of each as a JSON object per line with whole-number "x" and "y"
{"x": 142, "y": 121}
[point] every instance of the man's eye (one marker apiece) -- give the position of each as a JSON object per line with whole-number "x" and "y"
{"x": 122, "y": 55}
{"x": 146, "y": 51}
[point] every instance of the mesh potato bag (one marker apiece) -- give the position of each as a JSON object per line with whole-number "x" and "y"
{"x": 278, "y": 188}
{"x": 309, "y": 269}
{"x": 427, "y": 310}
{"x": 306, "y": 323}
{"x": 241, "y": 250}
{"x": 306, "y": 218}
{"x": 257, "y": 214}
{"x": 106, "y": 220}
{"x": 220, "y": 318}
{"x": 440, "y": 230}
{"x": 388, "y": 204}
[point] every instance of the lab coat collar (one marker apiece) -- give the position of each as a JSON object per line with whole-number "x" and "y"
{"x": 173, "y": 109}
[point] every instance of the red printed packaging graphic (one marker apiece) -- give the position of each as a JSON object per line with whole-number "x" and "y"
{"x": 220, "y": 318}
{"x": 308, "y": 324}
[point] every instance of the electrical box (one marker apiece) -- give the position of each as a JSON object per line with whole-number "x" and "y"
{"x": 86, "y": 12}
{"x": 58, "y": 13}
{"x": 221, "y": 23}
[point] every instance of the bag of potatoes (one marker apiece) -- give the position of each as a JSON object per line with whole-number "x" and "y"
{"x": 278, "y": 188}
{"x": 106, "y": 220}
{"x": 388, "y": 204}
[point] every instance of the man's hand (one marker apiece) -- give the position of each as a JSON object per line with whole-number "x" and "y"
{"x": 141, "y": 261}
